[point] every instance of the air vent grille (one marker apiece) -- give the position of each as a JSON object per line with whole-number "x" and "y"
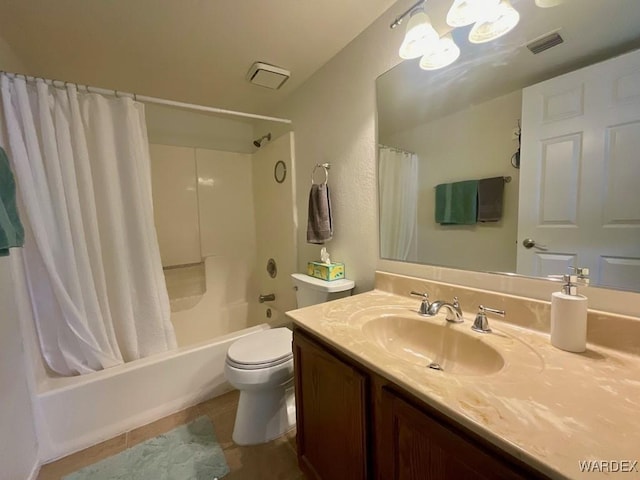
{"x": 545, "y": 43}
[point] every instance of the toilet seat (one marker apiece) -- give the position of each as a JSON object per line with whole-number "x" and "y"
{"x": 261, "y": 350}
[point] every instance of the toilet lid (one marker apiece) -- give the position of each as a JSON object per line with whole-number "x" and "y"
{"x": 266, "y": 347}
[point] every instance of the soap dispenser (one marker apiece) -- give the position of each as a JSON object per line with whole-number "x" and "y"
{"x": 569, "y": 317}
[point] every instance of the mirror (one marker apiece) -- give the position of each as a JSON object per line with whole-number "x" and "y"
{"x": 462, "y": 123}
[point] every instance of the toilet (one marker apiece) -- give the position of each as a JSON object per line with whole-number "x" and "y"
{"x": 261, "y": 367}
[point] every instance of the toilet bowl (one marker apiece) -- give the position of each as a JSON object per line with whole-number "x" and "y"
{"x": 261, "y": 367}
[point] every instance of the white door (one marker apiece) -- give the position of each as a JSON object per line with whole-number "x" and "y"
{"x": 580, "y": 174}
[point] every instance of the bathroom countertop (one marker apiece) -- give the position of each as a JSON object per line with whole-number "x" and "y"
{"x": 550, "y": 408}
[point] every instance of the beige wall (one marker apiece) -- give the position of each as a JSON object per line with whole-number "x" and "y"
{"x": 18, "y": 441}
{"x": 175, "y": 126}
{"x": 465, "y": 146}
{"x": 334, "y": 120}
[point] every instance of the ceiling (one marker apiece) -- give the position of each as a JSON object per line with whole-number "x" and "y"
{"x": 592, "y": 29}
{"x": 196, "y": 51}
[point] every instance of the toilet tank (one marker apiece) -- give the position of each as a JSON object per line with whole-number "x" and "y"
{"x": 311, "y": 291}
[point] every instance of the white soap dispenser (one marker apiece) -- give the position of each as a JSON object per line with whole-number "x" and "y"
{"x": 569, "y": 317}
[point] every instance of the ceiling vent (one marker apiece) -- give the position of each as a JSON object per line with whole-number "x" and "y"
{"x": 545, "y": 43}
{"x": 268, "y": 76}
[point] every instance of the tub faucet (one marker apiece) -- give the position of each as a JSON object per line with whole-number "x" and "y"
{"x": 270, "y": 297}
{"x": 454, "y": 312}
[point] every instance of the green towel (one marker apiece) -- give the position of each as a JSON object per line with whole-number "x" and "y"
{"x": 457, "y": 203}
{"x": 11, "y": 231}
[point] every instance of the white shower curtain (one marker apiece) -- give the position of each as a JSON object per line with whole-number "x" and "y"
{"x": 91, "y": 255}
{"x": 398, "y": 189}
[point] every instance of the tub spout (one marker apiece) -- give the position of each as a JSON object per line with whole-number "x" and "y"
{"x": 270, "y": 297}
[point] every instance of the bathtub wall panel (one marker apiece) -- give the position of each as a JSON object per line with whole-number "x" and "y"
{"x": 175, "y": 203}
{"x": 276, "y": 221}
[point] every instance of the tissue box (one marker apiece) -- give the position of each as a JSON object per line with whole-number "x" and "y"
{"x": 332, "y": 271}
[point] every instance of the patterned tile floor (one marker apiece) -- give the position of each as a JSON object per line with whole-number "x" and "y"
{"x": 275, "y": 460}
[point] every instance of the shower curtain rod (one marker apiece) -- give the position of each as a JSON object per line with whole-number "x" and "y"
{"x": 146, "y": 99}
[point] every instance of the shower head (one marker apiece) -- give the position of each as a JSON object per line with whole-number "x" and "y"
{"x": 258, "y": 143}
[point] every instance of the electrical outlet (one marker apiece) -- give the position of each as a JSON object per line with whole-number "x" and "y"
{"x": 514, "y": 133}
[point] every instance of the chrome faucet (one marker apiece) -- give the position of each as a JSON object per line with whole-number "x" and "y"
{"x": 481, "y": 324}
{"x": 454, "y": 312}
{"x": 424, "y": 305}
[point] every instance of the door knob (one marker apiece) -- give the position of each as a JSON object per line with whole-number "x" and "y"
{"x": 531, "y": 243}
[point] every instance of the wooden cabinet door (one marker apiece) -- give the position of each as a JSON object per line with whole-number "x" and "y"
{"x": 331, "y": 414}
{"x": 416, "y": 446}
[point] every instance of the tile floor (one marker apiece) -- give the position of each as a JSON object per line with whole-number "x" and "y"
{"x": 275, "y": 460}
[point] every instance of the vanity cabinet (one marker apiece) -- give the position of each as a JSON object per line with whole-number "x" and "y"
{"x": 331, "y": 414}
{"x": 354, "y": 424}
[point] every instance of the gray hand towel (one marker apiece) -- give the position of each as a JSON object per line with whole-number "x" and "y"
{"x": 320, "y": 223}
{"x": 11, "y": 231}
{"x": 490, "y": 195}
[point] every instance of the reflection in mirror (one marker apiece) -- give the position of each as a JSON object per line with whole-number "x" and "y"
{"x": 573, "y": 190}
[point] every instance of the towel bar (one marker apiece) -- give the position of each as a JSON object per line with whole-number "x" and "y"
{"x": 506, "y": 180}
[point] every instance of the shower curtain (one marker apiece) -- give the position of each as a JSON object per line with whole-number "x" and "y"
{"x": 398, "y": 187}
{"x": 91, "y": 253}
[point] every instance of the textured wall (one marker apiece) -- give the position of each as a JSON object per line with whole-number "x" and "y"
{"x": 334, "y": 120}
{"x": 18, "y": 442}
{"x": 334, "y": 115}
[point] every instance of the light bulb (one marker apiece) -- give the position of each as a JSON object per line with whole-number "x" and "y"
{"x": 443, "y": 55}
{"x": 548, "y": 3}
{"x": 420, "y": 36}
{"x": 466, "y": 12}
{"x": 495, "y": 23}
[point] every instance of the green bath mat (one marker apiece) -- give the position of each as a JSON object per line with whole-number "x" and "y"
{"x": 189, "y": 452}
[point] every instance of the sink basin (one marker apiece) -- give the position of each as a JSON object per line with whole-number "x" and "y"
{"x": 440, "y": 346}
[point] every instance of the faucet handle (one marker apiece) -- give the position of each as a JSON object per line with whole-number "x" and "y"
{"x": 481, "y": 323}
{"x": 482, "y": 308}
{"x": 424, "y": 306}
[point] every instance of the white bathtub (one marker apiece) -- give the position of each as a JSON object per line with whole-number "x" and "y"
{"x": 77, "y": 412}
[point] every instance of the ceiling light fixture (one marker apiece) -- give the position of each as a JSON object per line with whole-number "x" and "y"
{"x": 420, "y": 36}
{"x": 491, "y": 18}
{"x": 466, "y": 12}
{"x": 495, "y": 23}
{"x": 445, "y": 53}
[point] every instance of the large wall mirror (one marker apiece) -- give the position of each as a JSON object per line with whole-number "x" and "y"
{"x": 570, "y": 197}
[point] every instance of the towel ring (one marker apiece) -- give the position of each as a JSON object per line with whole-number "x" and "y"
{"x": 326, "y": 167}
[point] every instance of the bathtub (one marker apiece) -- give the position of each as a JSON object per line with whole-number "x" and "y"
{"x": 73, "y": 413}
{"x": 76, "y": 412}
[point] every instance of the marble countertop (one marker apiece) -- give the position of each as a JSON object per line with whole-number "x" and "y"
{"x": 550, "y": 408}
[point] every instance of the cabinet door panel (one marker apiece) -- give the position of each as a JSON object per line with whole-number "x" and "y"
{"x": 331, "y": 415}
{"x": 416, "y": 446}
